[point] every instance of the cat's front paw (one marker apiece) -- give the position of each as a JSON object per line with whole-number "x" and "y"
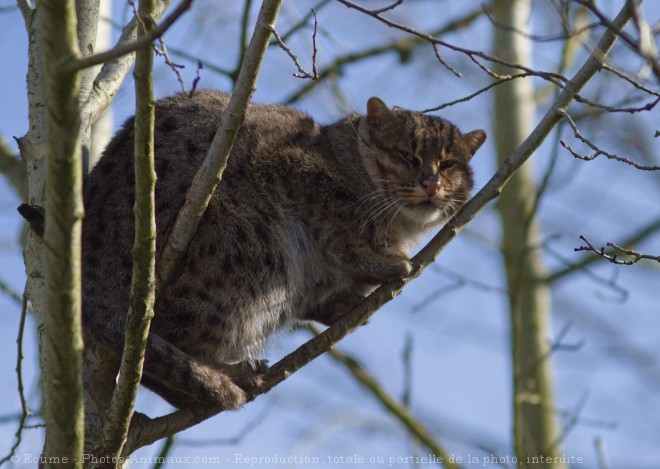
{"x": 248, "y": 375}
{"x": 405, "y": 267}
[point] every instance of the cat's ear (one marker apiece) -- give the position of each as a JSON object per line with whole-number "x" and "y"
{"x": 378, "y": 112}
{"x": 474, "y": 140}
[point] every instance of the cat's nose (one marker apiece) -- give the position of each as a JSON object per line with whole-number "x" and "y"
{"x": 431, "y": 185}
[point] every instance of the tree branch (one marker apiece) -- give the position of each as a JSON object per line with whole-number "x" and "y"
{"x": 114, "y": 71}
{"x": 638, "y": 237}
{"x": 142, "y": 297}
{"x": 614, "y": 258}
{"x": 209, "y": 174}
{"x": 122, "y": 49}
{"x": 597, "y": 151}
{"x": 403, "y": 47}
{"x": 62, "y": 337}
{"x": 25, "y": 412}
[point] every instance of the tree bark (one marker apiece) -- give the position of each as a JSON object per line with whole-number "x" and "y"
{"x": 534, "y": 420}
{"x": 62, "y": 337}
{"x": 102, "y": 128}
{"x": 141, "y": 304}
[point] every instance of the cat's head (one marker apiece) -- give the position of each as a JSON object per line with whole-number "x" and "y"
{"x": 421, "y": 162}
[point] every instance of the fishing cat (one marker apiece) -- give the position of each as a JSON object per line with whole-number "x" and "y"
{"x": 306, "y": 220}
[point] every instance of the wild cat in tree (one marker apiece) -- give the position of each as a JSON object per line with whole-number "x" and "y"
{"x": 306, "y": 221}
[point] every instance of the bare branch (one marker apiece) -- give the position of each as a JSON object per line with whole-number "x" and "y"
{"x": 387, "y": 8}
{"x": 25, "y": 412}
{"x": 638, "y": 237}
{"x": 142, "y": 294}
{"x": 597, "y": 151}
{"x": 114, "y": 71}
{"x": 26, "y": 10}
{"x": 403, "y": 47}
{"x": 209, "y": 174}
{"x": 473, "y": 55}
{"x": 630, "y": 110}
{"x": 568, "y": 34}
{"x": 62, "y": 343}
{"x": 645, "y": 47}
{"x": 614, "y": 258}
{"x": 464, "y": 99}
{"x": 630, "y": 80}
{"x": 127, "y": 48}
{"x": 302, "y": 73}
{"x": 303, "y": 21}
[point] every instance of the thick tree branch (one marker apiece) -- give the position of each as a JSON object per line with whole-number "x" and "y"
{"x": 148, "y": 430}
{"x": 141, "y": 302}
{"x": 62, "y": 337}
{"x": 113, "y": 72}
{"x": 209, "y": 174}
{"x": 122, "y": 49}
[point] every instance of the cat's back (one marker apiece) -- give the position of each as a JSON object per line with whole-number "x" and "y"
{"x": 267, "y": 149}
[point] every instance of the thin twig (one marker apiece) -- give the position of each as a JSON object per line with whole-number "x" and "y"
{"x": 162, "y": 51}
{"x": 25, "y": 412}
{"x": 464, "y": 99}
{"x": 472, "y": 54}
{"x": 633, "y": 82}
{"x": 597, "y": 151}
{"x": 402, "y": 46}
{"x": 614, "y": 258}
{"x": 539, "y": 38}
{"x": 302, "y": 73}
{"x": 638, "y": 237}
{"x": 630, "y": 110}
{"x": 387, "y": 8}
{"x": 303, "y": 21}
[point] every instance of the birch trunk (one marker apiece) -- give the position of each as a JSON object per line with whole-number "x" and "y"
{"x": 62, "y": 336}
{"x": 534, "y": 421}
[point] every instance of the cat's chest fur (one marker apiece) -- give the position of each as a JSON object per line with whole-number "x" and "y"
{"x": 305, "y": 219}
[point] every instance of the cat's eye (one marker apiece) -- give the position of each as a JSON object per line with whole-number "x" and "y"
{"x": 447, "y": 164}
{"x": 410, "y": 158}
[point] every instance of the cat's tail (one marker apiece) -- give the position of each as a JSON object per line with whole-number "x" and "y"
{"x": 185, "y": 382}
{"x": 180, "y": 379}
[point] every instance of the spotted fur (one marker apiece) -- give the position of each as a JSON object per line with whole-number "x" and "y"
{"x": 307, "y": 218}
